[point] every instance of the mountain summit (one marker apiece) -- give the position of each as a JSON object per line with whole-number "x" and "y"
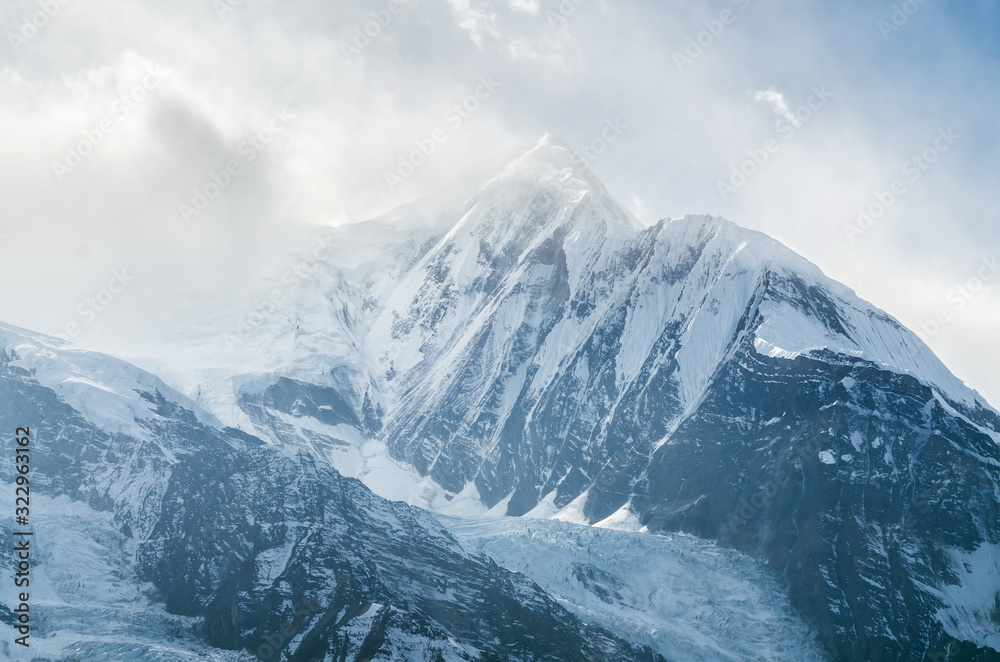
{"x": 533, "y": 352}
{"x": 538, "y": 352}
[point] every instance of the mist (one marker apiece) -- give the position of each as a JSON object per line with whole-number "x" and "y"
{"x": 167, "y": 154}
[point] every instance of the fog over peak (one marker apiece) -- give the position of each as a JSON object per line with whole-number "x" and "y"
{"x": 268, "y": 118}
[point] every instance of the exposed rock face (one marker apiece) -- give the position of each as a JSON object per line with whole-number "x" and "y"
{"x": 542, "y": 350}
{"x": 272, "y": 552}
{"x": 535, "y": 351}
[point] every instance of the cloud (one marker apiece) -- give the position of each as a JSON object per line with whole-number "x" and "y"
{"x": 640, "y": 209}
{"x": 778, "y": 103}
{"x": 478, "y": 23}
{"x": 356, "y": 117}
{"x": 526, "y": 6}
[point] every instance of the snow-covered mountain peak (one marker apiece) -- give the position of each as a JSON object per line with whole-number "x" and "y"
{"x": 551, "y": 169}
{"x": 800, "y": 310}
{"x": 549, "y": 151}
{"x": 113, "y": 393}
{"x": 751, "y": 246}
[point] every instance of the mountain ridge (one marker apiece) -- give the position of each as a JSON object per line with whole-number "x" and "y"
{"x": 531, "y": 352}
{"x": 226, "y": 546}
{"x": 542, "y": 355}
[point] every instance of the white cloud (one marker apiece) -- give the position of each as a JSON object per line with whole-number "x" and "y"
{"x": 476, "y": 22}
{"x": 778, "y": 103}
{"x": 640, "y": 209}
{"x": 526, "y": 6}
{"x": 355, "y": 118}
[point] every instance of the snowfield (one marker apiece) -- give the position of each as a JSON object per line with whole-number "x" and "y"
{"x": 687, "y": 598}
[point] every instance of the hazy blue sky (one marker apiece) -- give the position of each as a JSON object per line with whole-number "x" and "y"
{"x": 171, "y": 92}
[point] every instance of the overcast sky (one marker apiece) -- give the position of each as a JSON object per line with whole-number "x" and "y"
{"x": 112, "y": 114}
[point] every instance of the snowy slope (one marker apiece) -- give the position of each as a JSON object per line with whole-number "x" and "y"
{"x": 105, "y": 390}
{"x": 544, "y": 290}
{"x": 687, "y": 598}
{"x": 88, "y": 601}
{"x": 186, "y": 540}
{"x": 530, "y": 350}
